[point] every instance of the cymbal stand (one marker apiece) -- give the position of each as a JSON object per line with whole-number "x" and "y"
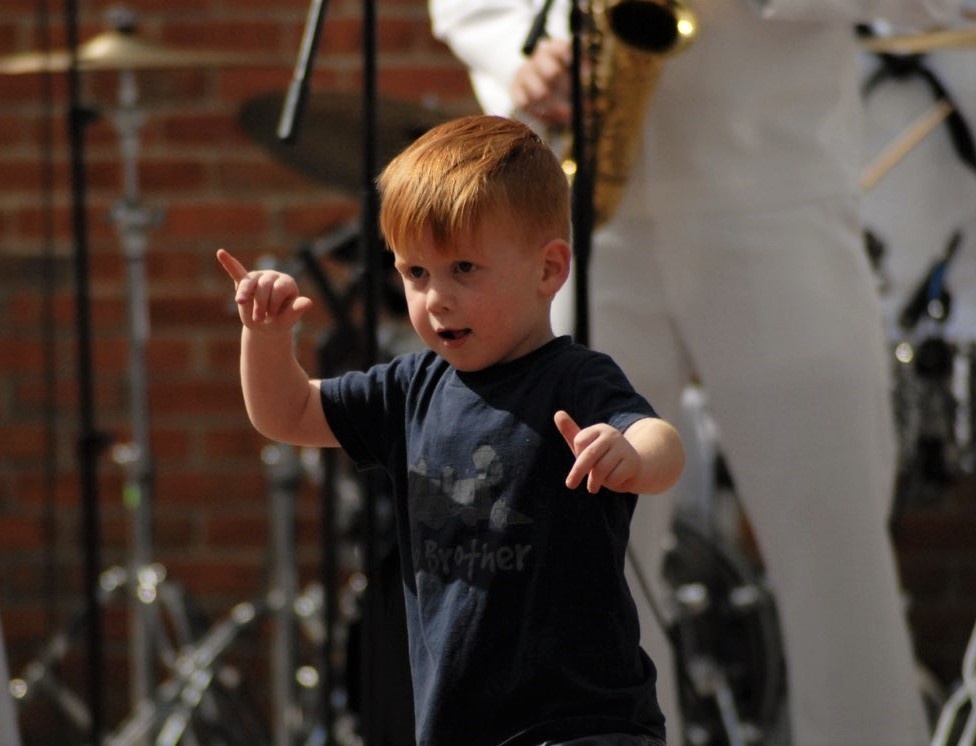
{"x": 41, "y": 675}
{"x": 142, "y": 580}
{"x": 171, "y": 709}
{"x": 199, "y": 693}
{"x": 284, "y": 472}
{"x": 132, "y": 221}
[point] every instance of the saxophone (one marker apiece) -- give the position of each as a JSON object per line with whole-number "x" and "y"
{"x": 627, "y": 43}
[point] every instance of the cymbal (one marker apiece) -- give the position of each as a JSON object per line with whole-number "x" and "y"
{"x": 918, "y": 43}
{"x": 329, "y": 145}
{"x": 117, "y": 50}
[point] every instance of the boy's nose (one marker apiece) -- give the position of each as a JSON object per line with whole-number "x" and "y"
{"x": 437, "y": 299}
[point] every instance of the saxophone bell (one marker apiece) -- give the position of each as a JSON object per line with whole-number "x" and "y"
{"x": 661, "y": 27}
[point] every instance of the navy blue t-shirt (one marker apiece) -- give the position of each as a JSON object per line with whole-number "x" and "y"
{"x": 519, "y": 617}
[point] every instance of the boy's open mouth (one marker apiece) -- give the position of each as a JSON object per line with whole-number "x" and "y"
{"x": 453, "y": 334}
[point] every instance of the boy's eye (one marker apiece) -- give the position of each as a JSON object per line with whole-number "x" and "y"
{"x": 464, "y": 267}
{"x": 415, "y": 273}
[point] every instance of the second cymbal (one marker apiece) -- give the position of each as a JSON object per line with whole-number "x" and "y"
{"x": 329, "y": 145}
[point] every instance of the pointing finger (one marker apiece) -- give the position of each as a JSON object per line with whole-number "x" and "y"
{"x": 232, "y": 267}
{"x": 567, "y": 428}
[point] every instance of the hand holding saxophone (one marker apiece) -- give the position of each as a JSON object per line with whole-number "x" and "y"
{"x": 541, "y": 87}
{"x": 626, "y": 43}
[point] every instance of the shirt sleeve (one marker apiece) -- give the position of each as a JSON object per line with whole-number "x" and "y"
{"x": 603, "y": 394}
{"x": 487, "y": 37}
{"x": 365, "y": 411}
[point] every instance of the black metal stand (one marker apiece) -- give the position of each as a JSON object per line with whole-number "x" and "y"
{"x": 583, "y": 180}
{"x": 90, "y": 441}
{"x": 340, "y": 341}
{"x": 372, "y": 628}
{"x": 584, "y": 157}
{"x": 294, "y": 105}
{"x": 370, "y": 257}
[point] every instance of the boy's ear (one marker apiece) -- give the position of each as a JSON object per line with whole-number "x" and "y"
{"x": 556, "y": 258}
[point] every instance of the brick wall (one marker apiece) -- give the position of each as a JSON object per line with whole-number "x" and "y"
{"x": 215, "y": 187}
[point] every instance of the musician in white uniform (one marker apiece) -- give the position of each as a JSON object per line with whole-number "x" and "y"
{"x": 736, "y": 255}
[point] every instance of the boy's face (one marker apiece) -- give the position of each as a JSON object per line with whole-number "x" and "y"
{"x": 486, "y": 299}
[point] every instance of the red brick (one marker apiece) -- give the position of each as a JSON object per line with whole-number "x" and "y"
{"x": 215, "y": 220}
{"x": 18, "y": 533}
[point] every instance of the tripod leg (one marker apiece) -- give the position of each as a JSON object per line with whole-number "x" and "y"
{"x": 9, "y": 732}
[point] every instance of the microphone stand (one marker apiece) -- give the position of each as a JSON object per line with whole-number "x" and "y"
{"x": 297, "y": 92}
{"x": 90, "y": 441}
{"x": 583, "y": 184}
{"x": 582, "y": 189}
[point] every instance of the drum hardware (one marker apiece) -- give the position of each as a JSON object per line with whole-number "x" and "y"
{"x": 9, "y": 727}
{"x": 933, "y": 384}
{"x": 710, "y": 681}
{"x": 284, "y": 473}
{"x": 726, "y": 638}
{"x": 168, "y": 712}
{"x": 132, "y": 220}
{"x": 309, "y": 699}
{"x": 170, "y": 614}
{"x": 712, "y": 602}
{"x": 201, "y": 700}
{"x": 931, "y": 298}
{"x": 328, "y": 148}
{"x": 294, "y": 102}
{"x": 956, "y": 725}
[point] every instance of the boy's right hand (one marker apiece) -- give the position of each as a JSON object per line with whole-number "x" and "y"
{"x": 267, "y": 301}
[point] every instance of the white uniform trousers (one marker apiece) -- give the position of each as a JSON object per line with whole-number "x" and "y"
{"x": 776, "y": 313}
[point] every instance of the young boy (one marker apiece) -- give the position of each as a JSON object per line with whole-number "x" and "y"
{"x": 515, "y": 456}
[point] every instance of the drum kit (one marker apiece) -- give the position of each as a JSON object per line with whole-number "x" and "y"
{"x": 719, "y": 615}
{"x": 927, "y": 290}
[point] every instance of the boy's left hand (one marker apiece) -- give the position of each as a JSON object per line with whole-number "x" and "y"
{"x": 602, "y": 453}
